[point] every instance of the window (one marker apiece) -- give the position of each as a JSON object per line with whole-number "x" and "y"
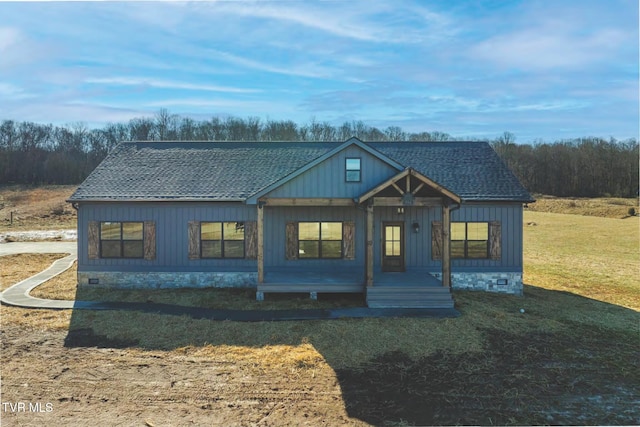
{"x": 320, "y": 240}
{"x": 352, "y": 170}
{"x": 469, "y": 240}
{"x": 222, "y": 239}
{"x": 121, "y": 239}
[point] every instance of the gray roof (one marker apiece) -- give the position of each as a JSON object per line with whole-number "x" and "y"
{"x": 234, "y": 171}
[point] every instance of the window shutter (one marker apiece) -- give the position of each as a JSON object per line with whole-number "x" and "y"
{"x": 93, "y": 240}
{"x": 348, "y": 240}
{"x": 194, "y": 239}
{"x": 149, "y": 240}
{"x": 251, "y": 239}
{"x": 436, "y": 240}
{"x": 495, "y": 240}
{"x": 291, "y": 233}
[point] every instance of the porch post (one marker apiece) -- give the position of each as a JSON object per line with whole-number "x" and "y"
{"x": 446, "y": 245}
{"x": 369, "y": 273}
{"x": 260, "y": 243}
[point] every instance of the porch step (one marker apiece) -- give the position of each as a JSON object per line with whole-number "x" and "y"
{"x": 409, "y": 297}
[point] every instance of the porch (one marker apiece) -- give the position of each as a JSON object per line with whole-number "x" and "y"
{"x": 414, "y": 288}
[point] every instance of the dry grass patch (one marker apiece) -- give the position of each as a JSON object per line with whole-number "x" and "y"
{"x": 16, "y": 268}
{"x": 61, "y": 287}
{"x": 36, "y": 208}
{"x": 605, "y": 207}
{"x": 29, "y": 318}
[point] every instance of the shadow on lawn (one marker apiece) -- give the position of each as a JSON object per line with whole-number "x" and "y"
{"x": 576, "y": 373}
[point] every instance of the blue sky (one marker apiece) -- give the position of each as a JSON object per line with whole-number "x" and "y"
{"x": 543, "y": 69}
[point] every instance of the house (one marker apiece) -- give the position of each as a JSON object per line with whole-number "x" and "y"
{"x": 402, "y": 222}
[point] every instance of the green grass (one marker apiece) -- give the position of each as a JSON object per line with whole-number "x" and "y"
{"x": 594, "y": 257}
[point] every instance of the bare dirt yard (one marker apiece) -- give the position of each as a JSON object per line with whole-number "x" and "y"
{"x": 572, "y": 357}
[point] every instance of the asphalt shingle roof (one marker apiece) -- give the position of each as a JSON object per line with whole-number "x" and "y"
{"x": 233, "y": 171}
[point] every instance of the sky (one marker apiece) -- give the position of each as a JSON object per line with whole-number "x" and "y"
{"x": 540, "y": 69}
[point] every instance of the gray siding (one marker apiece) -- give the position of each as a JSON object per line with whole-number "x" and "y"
{"x": 418, "y": 245}
{"x": 275, "y": 219}
{"x": 510, "y": 217}
{"x": 171, "y": 234}
{"x": 328, "y": 178}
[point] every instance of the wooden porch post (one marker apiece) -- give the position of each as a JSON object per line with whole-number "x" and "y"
{"x": 260, "y": 243}
{"x": 446, "y": 245}
{"x": 369, "y": 272}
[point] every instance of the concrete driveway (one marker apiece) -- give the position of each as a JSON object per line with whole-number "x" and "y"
{"x": 38, "y": 248}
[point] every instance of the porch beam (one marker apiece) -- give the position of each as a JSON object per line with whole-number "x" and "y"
{"x": 397, "y": 201}
{"x": 260, "y": 243}
{"x": 418, "y": 188}
{"x": 301, "y": 201}
{"x": 369, "y": 269}
{"x": 446, "y": 245}
{"x": 397, "y": 188}
{"x": 382, "y": 186}
{"x": 435, "y": 186}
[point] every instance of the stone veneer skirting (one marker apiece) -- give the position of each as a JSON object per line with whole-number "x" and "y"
{"x": 489, "y": 282}
{"x": 167, "y": 280}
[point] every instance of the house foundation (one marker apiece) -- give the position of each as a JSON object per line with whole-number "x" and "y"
{"x": 501, "y": 282}
{"x": 166, "y": 280}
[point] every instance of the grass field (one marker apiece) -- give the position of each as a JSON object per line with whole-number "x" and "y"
{"x": 571, "y": 358}
{"x": 36, "y": 208}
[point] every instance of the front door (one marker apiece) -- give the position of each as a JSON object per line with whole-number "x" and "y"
{"x": 392, "y": 246}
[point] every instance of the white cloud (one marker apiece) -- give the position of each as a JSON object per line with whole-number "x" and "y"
{"x": 13, "y": 92}
{"x": 166, "y": 84}
{"x": 302, "y": 70}
{"x": 542, "y": 42}
{"x": 8, "y": 37}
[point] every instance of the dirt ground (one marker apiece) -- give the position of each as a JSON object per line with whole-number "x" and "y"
{"x": 112, "y": 386}
{"x": 79, "y": 378}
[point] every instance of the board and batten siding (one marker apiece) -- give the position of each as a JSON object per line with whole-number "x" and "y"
{"x": 275, "y": 224}
{"x": 510, "y": 217}
{"x": 172, "y": 219}
{"x": 418, "y": 245}
{"x": 171, "y": 228}
{"x": 327, "y": 179}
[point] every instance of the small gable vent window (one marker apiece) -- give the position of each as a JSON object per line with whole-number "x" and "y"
{"x": 353, "y": 171}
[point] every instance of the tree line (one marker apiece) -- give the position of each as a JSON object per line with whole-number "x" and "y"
{"x": 33, "y": 153}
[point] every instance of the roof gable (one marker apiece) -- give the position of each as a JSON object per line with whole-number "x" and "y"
{"x": 361, "y": 149}
{"x": 408, "y": 173}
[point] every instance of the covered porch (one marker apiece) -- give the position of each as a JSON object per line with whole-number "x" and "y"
{"x": 343, "y": 280}
{"x": 383, "y": 273}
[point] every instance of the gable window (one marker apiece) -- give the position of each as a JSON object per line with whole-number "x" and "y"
{"x": 319, "y": 240}
{"x": 222, "y": 239}
{"x": 352, "y": 169}
{"x": 121, "y": 239}
{"x": 470, "y": 240}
